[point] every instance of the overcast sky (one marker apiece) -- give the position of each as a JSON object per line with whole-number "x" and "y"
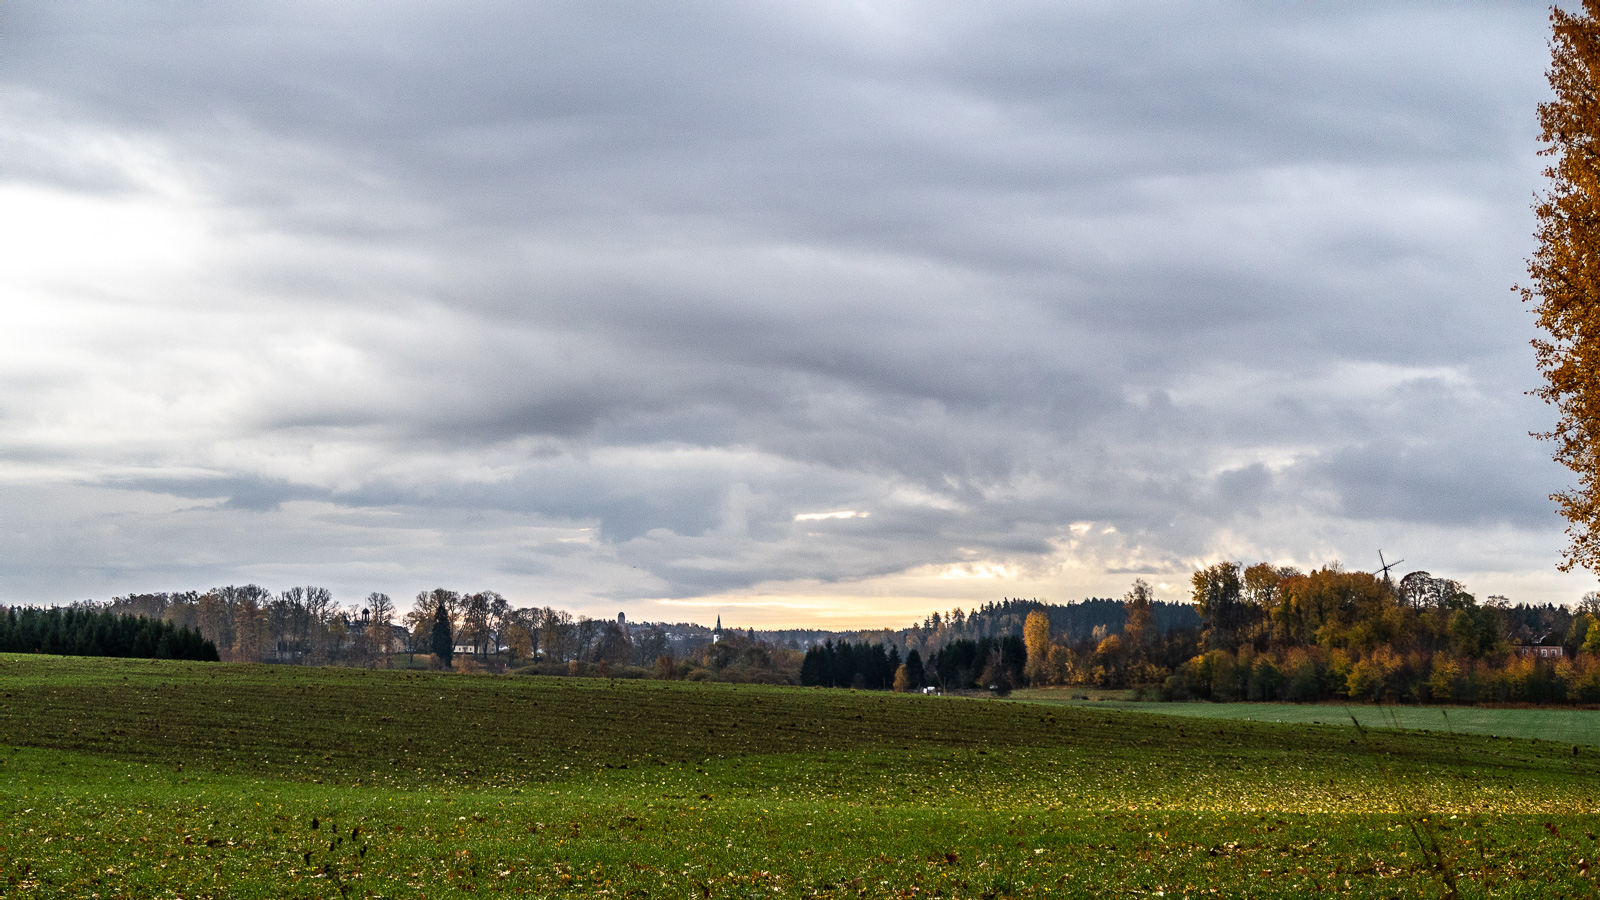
{"x": 800, "y": 313}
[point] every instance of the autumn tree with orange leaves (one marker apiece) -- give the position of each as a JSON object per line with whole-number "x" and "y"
{"x": 1564, "y": 273}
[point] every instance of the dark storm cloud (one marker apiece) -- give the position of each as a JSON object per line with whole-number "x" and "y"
{"x": 683, "y": 273}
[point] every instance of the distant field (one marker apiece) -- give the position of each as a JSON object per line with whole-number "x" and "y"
{"x": 1572, "y": 726}
{"x": 157, "y": 779}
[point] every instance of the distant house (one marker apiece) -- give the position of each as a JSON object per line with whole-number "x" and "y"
{"x": 1544, "y": 648}
{"x": 399, "y": 635}
{"x": 492, "y": 646}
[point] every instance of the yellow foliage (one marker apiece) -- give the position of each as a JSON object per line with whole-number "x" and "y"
{"x": 1140, "y": 623}
{"x": 1036, "y": 638}
{"x": 1563, "y": 277}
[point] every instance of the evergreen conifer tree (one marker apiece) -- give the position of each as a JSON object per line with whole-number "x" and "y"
{"x": 914, "y": 669}
{"x": 443, "y": 643}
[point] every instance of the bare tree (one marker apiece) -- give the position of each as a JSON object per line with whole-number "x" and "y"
{"x": 649, "y": 645}
{"x": 518, "y": 640}
{"x": 319, "y": 615}
{"x": 556, "y": 633}
{"x": 151, "y": 606}
{"x": 612, "y": 646}
{"x": 251, "y": 633}
{"x": 419, "y": 627}
{"x": 380, "y": 624}
{"x": 523, "y": 631}
{"x": 450, "y": 600}
{"x": 587, "y": 634}
{"x": 500, "y": 615}
{"x": 475, "y": 619}
{"x": 216, "y": 619}
{"x": 290, "y": 626}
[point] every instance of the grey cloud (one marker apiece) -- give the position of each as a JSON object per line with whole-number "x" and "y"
{"x": 1440, "y": 484}
{"x": 1036, "y": 264}
{"x": 1243, "y": 488}
{"x": 241, "y": 492}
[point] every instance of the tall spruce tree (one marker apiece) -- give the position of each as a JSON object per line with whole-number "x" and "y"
{"x": 914, "y": 669}
{"x": 443, "y": 642}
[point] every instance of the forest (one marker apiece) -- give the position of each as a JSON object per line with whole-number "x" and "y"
{"x": 1255, "y": 632}
{"x": 87, "y": 632}
{"x": 1275, "y": 633}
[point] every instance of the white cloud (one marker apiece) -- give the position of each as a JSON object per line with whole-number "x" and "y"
{"x": 844, "y": 514}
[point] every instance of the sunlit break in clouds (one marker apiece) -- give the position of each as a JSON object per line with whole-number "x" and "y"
{"x": 820, "y": 313}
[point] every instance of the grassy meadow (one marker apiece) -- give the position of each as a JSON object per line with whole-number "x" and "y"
{"x": 1561, "y": 725}
{"x": 123, "y": 778}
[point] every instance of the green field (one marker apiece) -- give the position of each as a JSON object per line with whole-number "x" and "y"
{"x": 1570, "y": 726}
{"x": 160, "y": 779}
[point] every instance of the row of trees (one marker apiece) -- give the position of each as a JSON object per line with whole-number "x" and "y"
{"x": 735, "y": 657}
{"x": 303, "y": 625}
{"x": 485, "y": 623}
{"x": 1271, "y": 608}
{"x": 249, "y": 623}
{"x": 995, "y": 662}
{"x": 1312, "y": 674}
{"x": 1071, "y": 623}
{"x": 86, "y": 632}
{"x": 861, "y": 665}
{"x": 447, "y": 623}
{"x": 1278, "y": 607}
{"x": 1275, "y": 633}
{"x": 1272, "y": 633}
{"x": 1139, "y": 652}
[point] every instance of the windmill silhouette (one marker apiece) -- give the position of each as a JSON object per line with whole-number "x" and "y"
{"x": 1384, "y": 567}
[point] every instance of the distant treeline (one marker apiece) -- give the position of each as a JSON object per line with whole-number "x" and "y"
{"x": 1276, "y": 633}
{"x": 1249, "y": 632}
{"x": 1313, "y": 674}
{"x": 1095, "y": 618}
{"x": 860, "y": 665}
{"x": 84, "y": 632}
{"x": 1081, "y": 622}
{"x": 991, "y": 662}
{"x": 996, "y": 662}
{"x": 304, "y": 625}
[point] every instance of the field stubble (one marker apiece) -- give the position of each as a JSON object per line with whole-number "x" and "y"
{"x": 141, "y": 779}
